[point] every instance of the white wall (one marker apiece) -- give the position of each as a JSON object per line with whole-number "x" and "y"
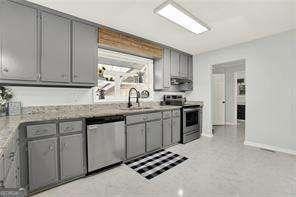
{"x": 271, "y": 90}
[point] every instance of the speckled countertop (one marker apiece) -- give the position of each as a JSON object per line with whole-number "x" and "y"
{"x": 9, "y": 124}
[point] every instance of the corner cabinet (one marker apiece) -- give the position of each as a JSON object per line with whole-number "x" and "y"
{"x": 18, "y": 28}
{"x": 85, "y": 52}
{"x": 43, "y": 47}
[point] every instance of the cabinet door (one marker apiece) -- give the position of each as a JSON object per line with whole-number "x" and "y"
{"x": 167, "y": 132}
{"x": 190, "y": 67}
{"x": 166, "y": 68}
{"x": 1, "y": 168}
{"x": 55, "y": 55}
{"x": 175, "y": 63}
{"x": 18, "y": 26}
{"x": 135, "y": 140}
{"x": 183, "y": 65}
{"x": 158, "y": 73}
{"x": 43, "y": 164}
{"x": 153, "y": 135}
{"x": 71, "y": 151}
{"x": 176, "y": 130}
{"x": 85, "y": 53}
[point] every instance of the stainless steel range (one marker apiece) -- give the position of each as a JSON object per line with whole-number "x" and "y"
{"x": 191, "y": 117}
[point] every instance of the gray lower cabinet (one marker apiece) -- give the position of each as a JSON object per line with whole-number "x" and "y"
{"x": 167, "y": 132}
{"x": 85, "y": 53}
{"x": 135, "y": 136}
{"x": 153, "y": 135}
{"x": 176, "y": 130}
{"x": 18, "y": 25}
{"x": 55, "y": 48}
{"x": 71, "y": 156}
{"x": 43, "y": 163}
{"x": 12, "y": 178}
{"x": 1, "y": 169}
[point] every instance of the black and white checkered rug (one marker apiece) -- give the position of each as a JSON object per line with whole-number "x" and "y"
{"x": 156, "y": 163}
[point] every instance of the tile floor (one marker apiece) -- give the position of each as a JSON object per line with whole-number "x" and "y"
{"x": 217, "y": 167}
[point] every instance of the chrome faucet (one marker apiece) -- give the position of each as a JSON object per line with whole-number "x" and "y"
{"x": 129, "y": 104}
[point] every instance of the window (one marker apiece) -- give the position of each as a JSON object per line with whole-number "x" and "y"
{"x": 118, "y": 72}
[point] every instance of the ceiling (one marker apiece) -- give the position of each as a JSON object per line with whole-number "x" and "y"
{"x": 232, "y": 21}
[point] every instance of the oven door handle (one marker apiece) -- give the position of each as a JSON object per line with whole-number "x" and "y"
{"x": 191, "y": 110}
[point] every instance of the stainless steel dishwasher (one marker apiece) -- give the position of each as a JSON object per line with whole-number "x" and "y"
{"x": 105, "y": 141}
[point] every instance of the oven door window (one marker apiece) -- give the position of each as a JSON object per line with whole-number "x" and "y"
{"x": 191, "y": 118}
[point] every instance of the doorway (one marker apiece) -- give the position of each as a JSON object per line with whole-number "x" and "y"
{"x": 228, "y": 93}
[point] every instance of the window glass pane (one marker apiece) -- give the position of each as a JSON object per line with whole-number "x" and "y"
{"x": 118, "y": 72}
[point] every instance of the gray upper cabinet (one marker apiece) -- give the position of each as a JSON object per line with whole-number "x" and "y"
{"x": 43, "y": 164}
{"x": 183, "y": 65}
{"x": 166, "y": 68}
{"x": 135, "y": 135}
{"x": 85, "y": 53}
{"x": 18, "y": 26}
{"x": 71, "y": 153}
{"x": 167, "y": 132}
{"x": 153, "y": 135}
{"x": 55, "y": 48}
{"x": 175, "y": 63}
{"x": 162, "y": 71}
{"x": 190, "y": 67}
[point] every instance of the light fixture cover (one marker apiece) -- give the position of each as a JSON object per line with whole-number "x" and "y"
{"x": 177, "y": 14}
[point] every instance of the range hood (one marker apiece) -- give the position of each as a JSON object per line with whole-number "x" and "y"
{"x": 179, "y": 81}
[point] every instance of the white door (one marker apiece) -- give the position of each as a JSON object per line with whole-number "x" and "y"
{"x": 218, "y": 99}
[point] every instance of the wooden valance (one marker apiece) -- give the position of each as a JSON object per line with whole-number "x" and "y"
{"x": 126, "y": 43}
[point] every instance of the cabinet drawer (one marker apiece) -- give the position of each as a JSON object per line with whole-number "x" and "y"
{"x": 136, "y": 118}
{"x": 74, "y": 126}
{"x": 41, "y": 130}
{"x": 166, "y": 114}
{"x": 154, "y": 116}
{"x": 176, "y": 113}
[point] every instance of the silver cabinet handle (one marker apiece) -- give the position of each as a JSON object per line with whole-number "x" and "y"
{"x": 11, "y": 156}
{"x": 38, "y": 132}
{"x": 51, "y": 147}
{"x": 69, "y": 128}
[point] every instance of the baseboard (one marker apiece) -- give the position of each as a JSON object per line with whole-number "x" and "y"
{"x": 207, "y": 135}
{"x": 269, "y": 147}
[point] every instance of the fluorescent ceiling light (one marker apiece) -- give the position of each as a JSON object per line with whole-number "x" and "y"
{"x": 175, "y": 13}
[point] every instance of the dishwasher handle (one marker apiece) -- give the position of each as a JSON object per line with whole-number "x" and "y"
{"x": 105, "y": 119}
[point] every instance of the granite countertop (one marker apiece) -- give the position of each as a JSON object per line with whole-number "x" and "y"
{"x": 9, "y": 124}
